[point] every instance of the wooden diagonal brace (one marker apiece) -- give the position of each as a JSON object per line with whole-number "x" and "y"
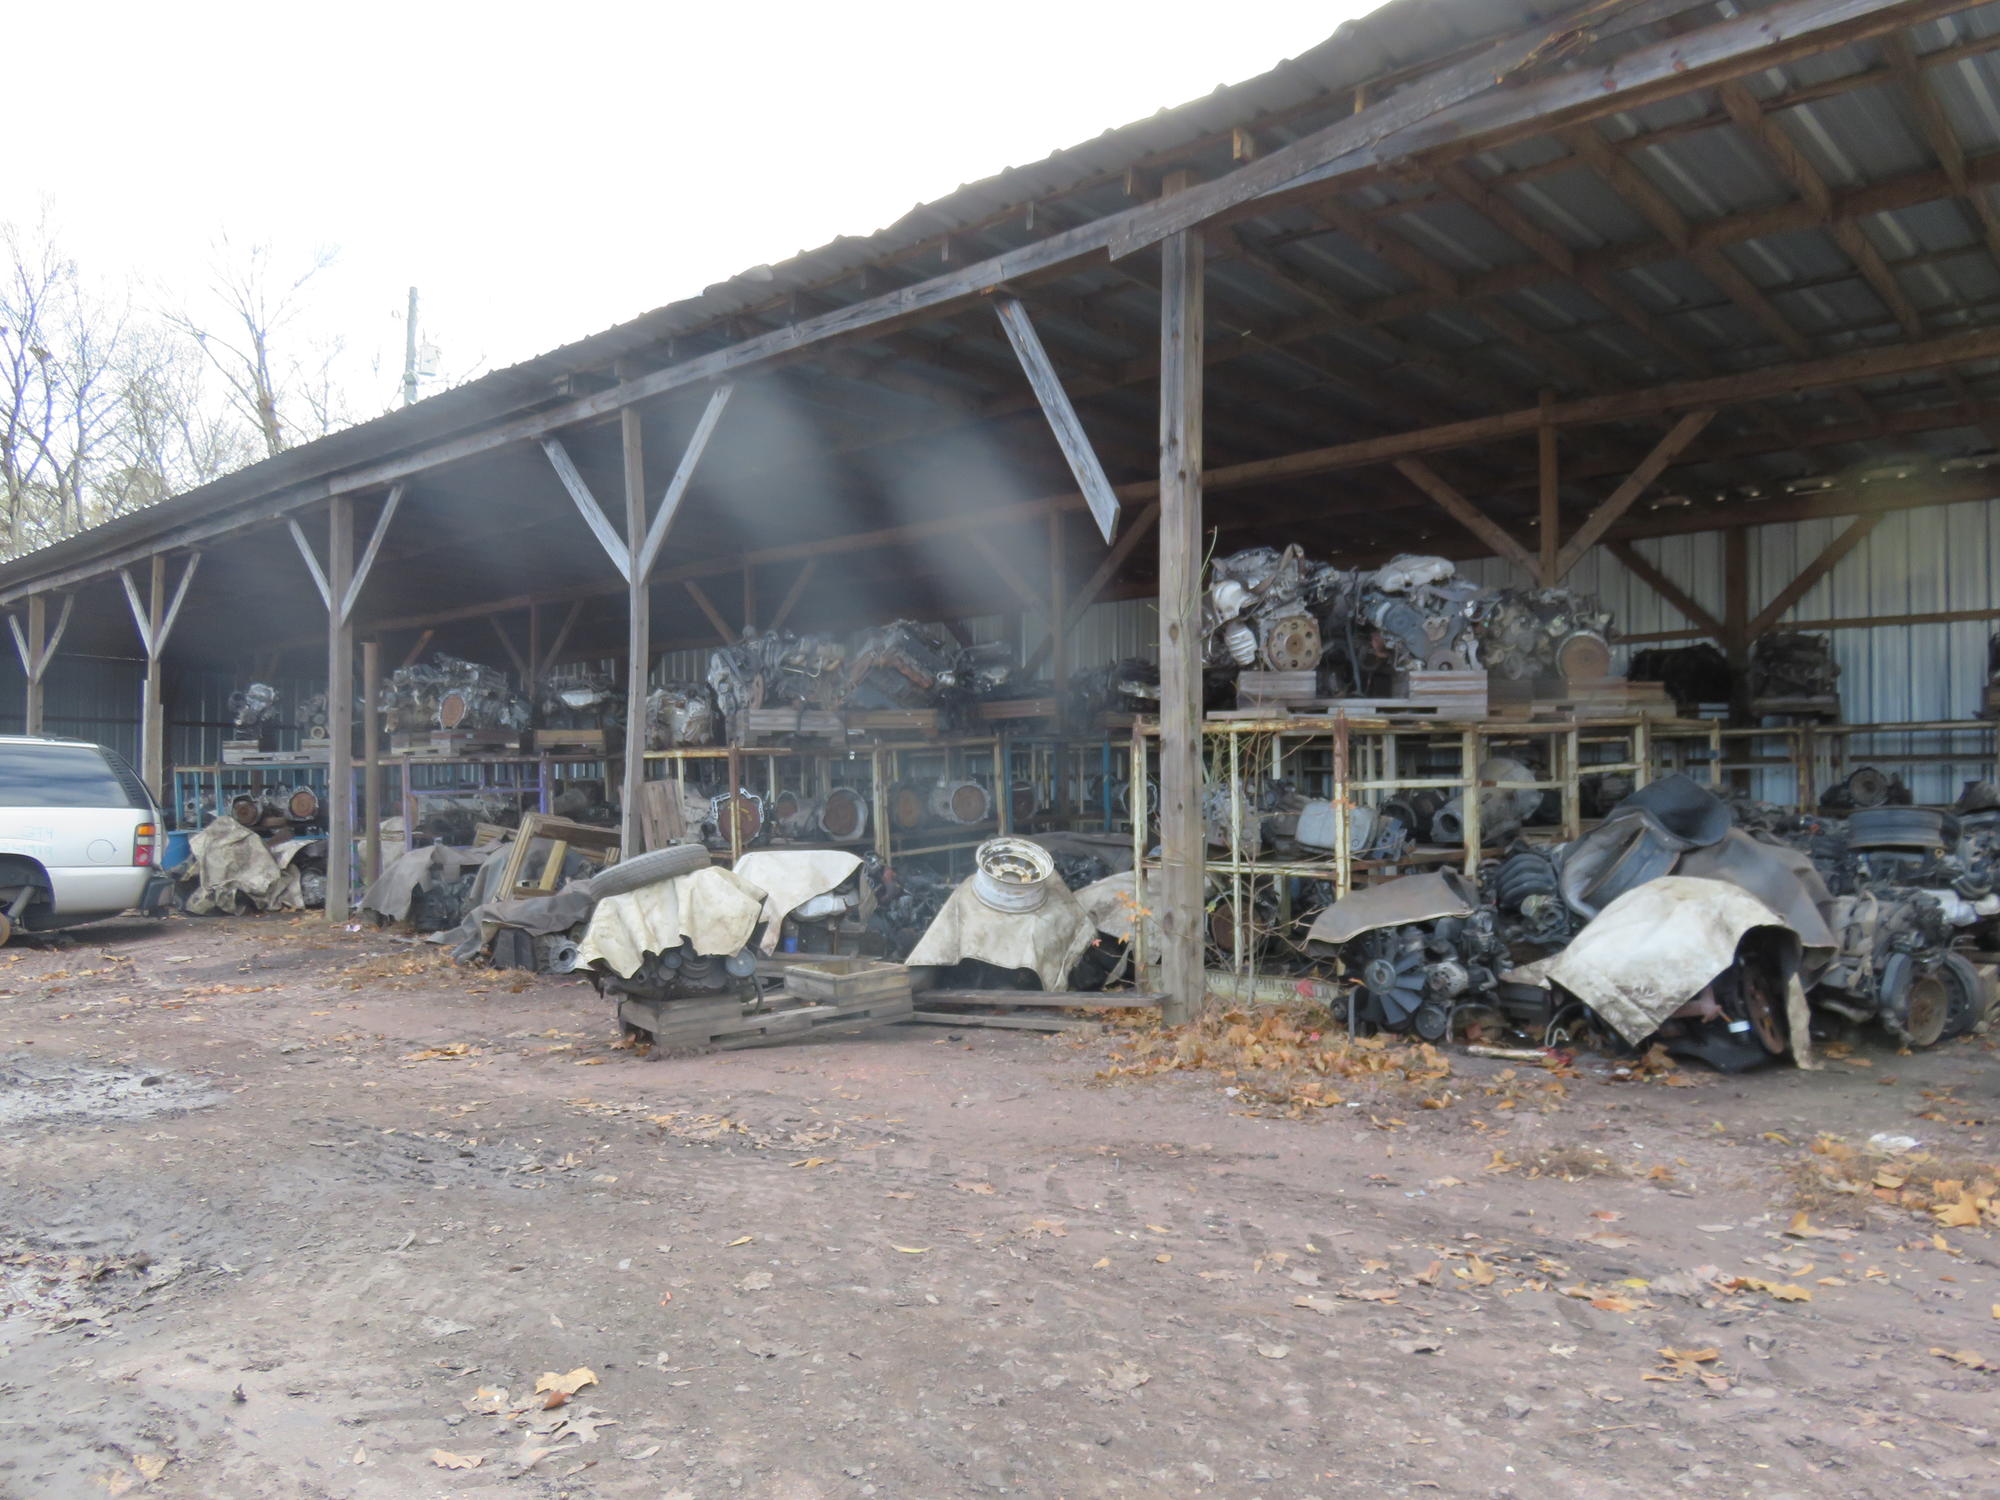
{"x": 1009, "y": 574}
{"x": 1644, "y": 569}
{"x": 794, "y": 593}
{"x": 1060, "y": 413}
{"x": 368, "y": 555}
{"x": 312, "y": 563}
{"x": 1829, "y": 558}
{"x": 1133, "y": 535}
{"x": 1607, "y": 515}
{"x": 142, "y": 615}
{"x": 1467, "y": 515}
{"x": 587, "y": 506}
{"x": 670, "y": 503}
{"x": 700, "y": 597}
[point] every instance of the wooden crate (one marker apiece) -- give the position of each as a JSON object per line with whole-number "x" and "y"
{"x": 837, "y": 978}
{"x": 446, "y": 744}
{"x": 1255, "y": 689}
{"x": 762, "y": 723}
{"x": 598, "y": 844}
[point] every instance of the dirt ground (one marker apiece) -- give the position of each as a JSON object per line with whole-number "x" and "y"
{"x": 290, "y": 1212}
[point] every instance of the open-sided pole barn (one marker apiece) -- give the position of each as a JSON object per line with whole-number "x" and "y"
{"x": 1477, "y": 277}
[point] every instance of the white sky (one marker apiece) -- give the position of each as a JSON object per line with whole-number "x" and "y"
{"x": 541, "y": 172}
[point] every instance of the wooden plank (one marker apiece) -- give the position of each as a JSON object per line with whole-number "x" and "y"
{"x": 1060, "y": 414}
{"x": 1182, "y": 838}
{"x": 1828, "y": 559}
{"x": 417, "y": 647}
{"x": 1607, "y": 515}
{"x": 648, "y": 550}
{"x": 1644, "y": 569}
{"x": 152, "y": 706}
{"x": 513, "y": 653}
{"x": 586, "y": 505}
{"x": 165, "y": 628}
{"x": 1468, "y": 515}
{"x": 554, "y": 654}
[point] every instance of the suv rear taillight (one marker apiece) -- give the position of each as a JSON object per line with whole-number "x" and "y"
{"x": 145, "y": 844}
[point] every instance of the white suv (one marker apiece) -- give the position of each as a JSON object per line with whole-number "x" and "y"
{"x": 79, "y": 836}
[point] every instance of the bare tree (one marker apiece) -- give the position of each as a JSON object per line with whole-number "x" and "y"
{"x": 285, "y": 394}
{"x": 59, "y": 396}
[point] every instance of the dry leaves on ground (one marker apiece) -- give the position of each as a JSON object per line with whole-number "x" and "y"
{"x": 1284, "y": 1057}
{"x": 1955, "y": 1194}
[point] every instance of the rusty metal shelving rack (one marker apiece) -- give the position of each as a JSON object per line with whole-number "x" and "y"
{"x": 1817, "y": 755}
{"x": 1365, "y": 760}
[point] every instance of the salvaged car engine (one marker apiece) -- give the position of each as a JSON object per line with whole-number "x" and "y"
{"x": 900, "y": 665}
{"x": 1416, "y": 949}
{"x": 1793, "y": 664}
{"x": 579, "y": 701}
{"x": 680, "y": 714}
{"x": 683, "y": 974}
{"x": 450, "y": 693}
{"x": 1425, "y": 615}
{"x": 776, "y": 669}
{"x": 1254, "y": 613}
{"x": 1527, "y": 633}
{"x": 254, "y": 706}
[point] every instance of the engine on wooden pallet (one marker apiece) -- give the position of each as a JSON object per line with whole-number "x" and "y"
{"x": 1793, "y": 664}
{"x": 776, "y": 669}
{"x": 680, "y": 714}
{"x": 450, "y": 693}
{"x": 1425, "y": 617}
{"x": 683, "y": 974}
{"x": 1131, "y": 686}
{"x": 579, "y": 700}
{"x": 253, "y": 706}
{"x": 901, "y": 665}
{"x": 1528, "y": 633}
{"x": 1692, "y": 675}
{"x": 1255, "y": 611}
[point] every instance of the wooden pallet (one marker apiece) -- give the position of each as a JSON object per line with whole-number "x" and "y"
{"x": 584, "y": 742}
{"x": 273, "y": 757}
{"x": 727, "y": 1023}
{"x": 998, "y": 709}
{"x": 839, "y": 978}
{"x": 1000, "y": 1023}
{"x": 445, "y": 745}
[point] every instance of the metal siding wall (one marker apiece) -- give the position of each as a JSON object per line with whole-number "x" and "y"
{"x": 83, "y": 697}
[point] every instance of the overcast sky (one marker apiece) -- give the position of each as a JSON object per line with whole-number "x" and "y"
{"x": 541, "y": 172}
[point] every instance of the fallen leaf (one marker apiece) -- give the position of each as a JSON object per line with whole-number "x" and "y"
{"x": 1274, "y": 1351}
{"x": 814, "y": 1161}
{"x": 746, "y": 1239}
{"x": 568, "y": 1384}
{"x": 1428, "y": 1276}
{"x": 1962, "y": 1214}
{"x": 1104, "y": 1260}
{"x": 1047, "y": 1226}
{"x": 912, "y": 1249}
{"x": 1416, "y": 1346}
{"x": 1163, "y": 1259}
{"x": 1610, "y": 1241}
{"x": 1316, "y": 1304}
{"x": 1614, "y": 1304}
{"x": 446, "y": 1460}
{"x": 1476, "y": 1271}
{"x": 984, "y": 1189}
{"x": 1966, "y": 1357}
{"x": 152, "y": 1465}
{"x": 756, "y": 1281}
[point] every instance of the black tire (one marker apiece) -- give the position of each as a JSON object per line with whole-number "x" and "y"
{"x": 649, "y": 869}
{"x": 1966, "y": 1005}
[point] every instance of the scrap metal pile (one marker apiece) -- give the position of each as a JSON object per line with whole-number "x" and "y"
{"x": 452, "y": 694}
{"x": 901, "y": 665}
{"x": 1734, "y": 933}
{"x": 1274, "y": 609}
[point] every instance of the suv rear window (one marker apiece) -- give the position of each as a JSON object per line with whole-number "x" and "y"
{"x": 65, "y": 776}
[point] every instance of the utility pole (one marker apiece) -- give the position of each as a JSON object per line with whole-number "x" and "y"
{"x": 410, "y": 352}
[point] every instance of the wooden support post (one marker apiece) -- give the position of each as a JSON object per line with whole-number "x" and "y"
{"x": 153, "y": 713}
{"x": 371, "y": 760}
{"x": 638, "y": 635}
{"x": 1550, "y": 533}
{"x": 1736, "y": 619}
{"x": 1058, "y": 630}
{"x": 1183, "y": 845}
{"x": 33, "y": 658}
{"x": 339, "y": 710}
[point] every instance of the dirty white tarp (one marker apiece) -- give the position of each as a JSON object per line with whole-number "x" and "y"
{"x": 792, "y": 877}
{"x": 231, "y": 861}
{"x": 1657, "y": 947}
{"x": 1048, "y": 940}
{"x": 713, "y": 910}
{"x": 1409, "y": 898}
{"x": 396, "y": 887}
{"x": 1112, "y": 904}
